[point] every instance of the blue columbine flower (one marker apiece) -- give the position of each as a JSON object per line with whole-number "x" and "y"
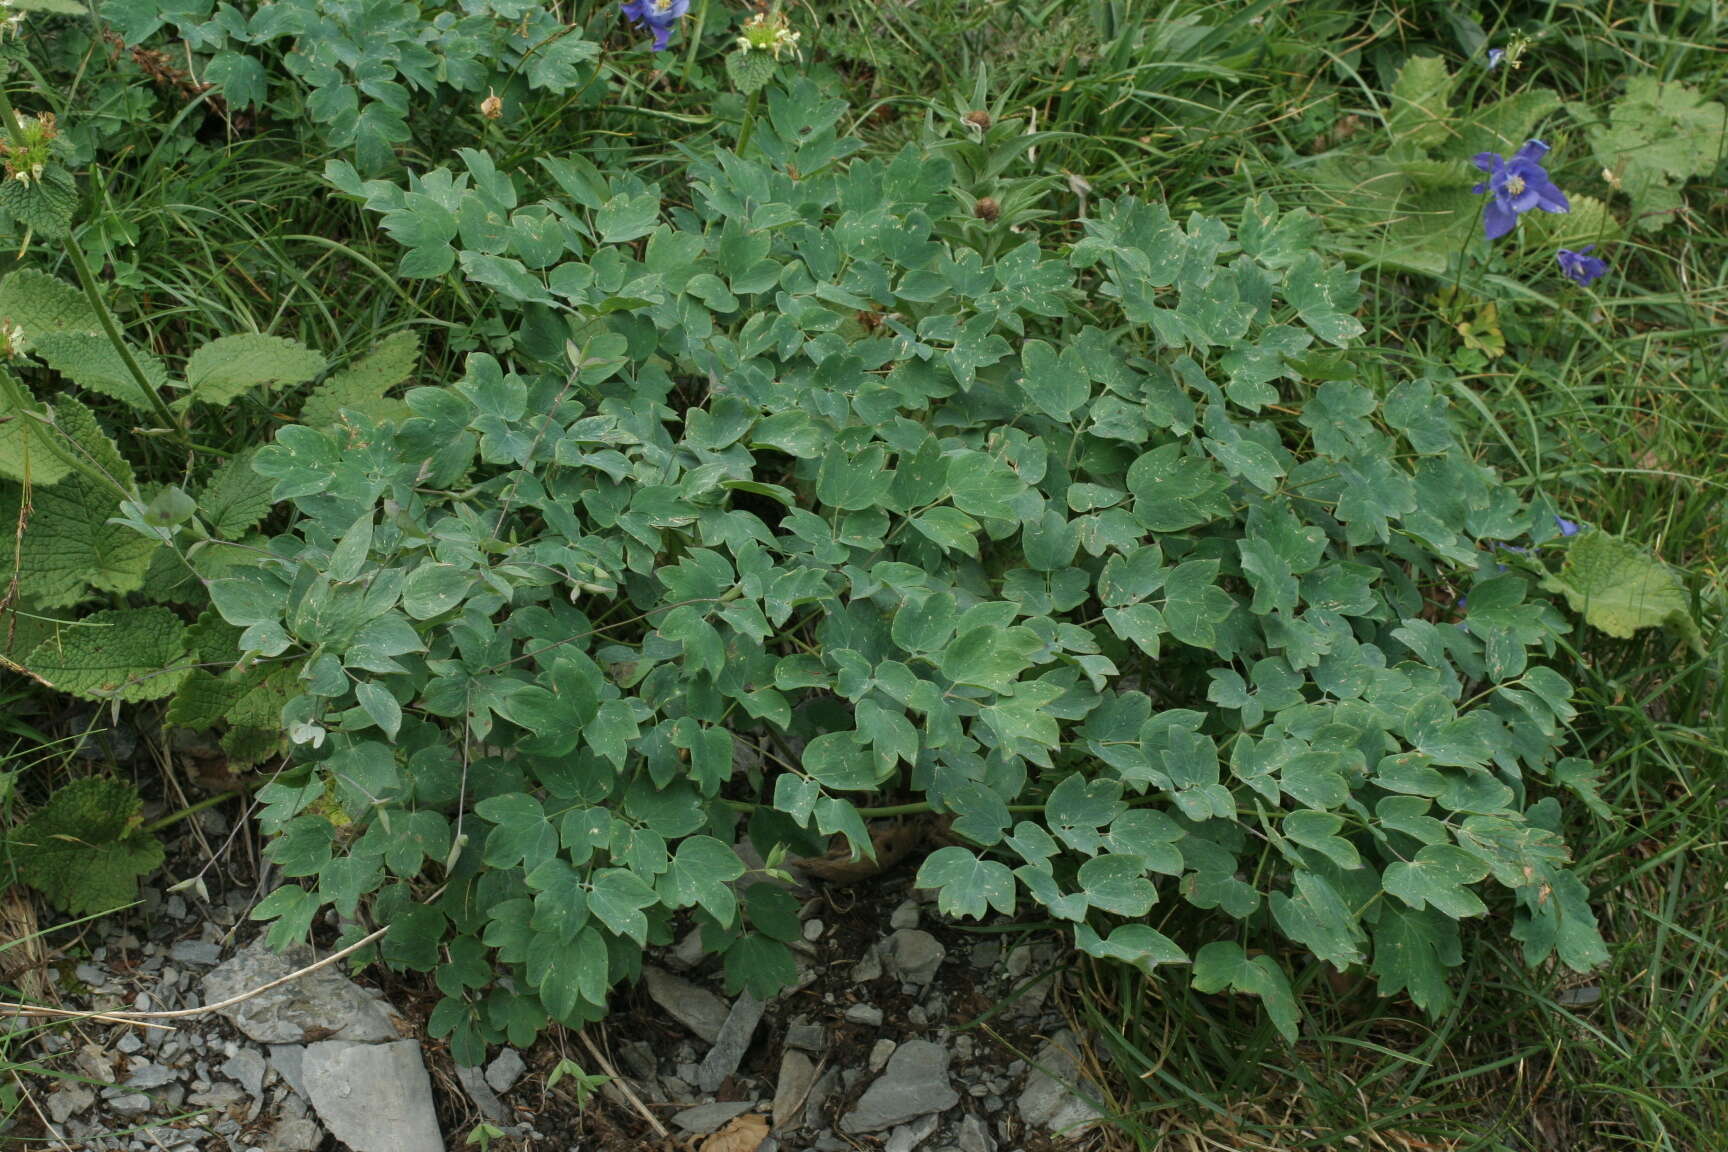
{"x": 1581, "y": 267}
{"x": 1567, "y": 527}
{"x": 1496, "y": 57}
{"x": 658, "y": 15}
{"x": 1515, "y": 186}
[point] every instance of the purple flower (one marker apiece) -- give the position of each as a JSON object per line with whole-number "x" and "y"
{"x": 1496, "y": 57}
{"x": 1567, "y": 527}
{"x": 1580, "y": 267}
{"x": 1515, "y": 186}
{"x": 658, "y": 15}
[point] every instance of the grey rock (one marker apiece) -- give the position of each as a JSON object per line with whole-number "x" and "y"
{"x": 90, "y": 974}
{"x": 974, "y": 1135}
{"x": 373, "y": 1097}
{"x": 916, "y": 955}
{"x": 676, "y": 1090}
{"x": 286, "y": 1014}
{"x": 1054, "y": 1097}
{"x": 131, "y": 1104}
{"x": 792, "y": 1089}
{"x": 69, "y": 1100}
{"x": 246, "y": 1067}
{"x": 908, "y": 1136}
{"x": 200, "y": 952}
{"x": 813, "y": 930}
{"x": 879, "y": 1054}
{"x": 986, "y": 955}
{"x": 732, "y": 1042}
{"x": 688, "y": 952}
{"x": 691, "y": 1005}
{"x": 867, "y": 969}
{"x": 1019, "y": 962}
{"x": 289, "y": 1061}
{"x": 129, "y": 1043}
{"x": 828, "y": 1142}
{"x": 817, "y": 1102}
{"x": 294, "y": 1129}
{"x": 809, "y": 1037}
{"x": 220, "y": 1097}
{"x": 706, "y": 1118}
{"x": 864, "y": 1014}
{"x": 146, "y": 1076}
{"x": 473, "y": 1082}
{"x": 505, "y": 1070}
{"x": 175, "y": 906}
{"x": 905, "y": 916}
{"x": 915, "y": 1084}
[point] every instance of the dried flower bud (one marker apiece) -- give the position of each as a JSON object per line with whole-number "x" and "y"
{"x": 493, "y": 106}
{"x": 978, "y": 118}
{"x": 986, "y": 208}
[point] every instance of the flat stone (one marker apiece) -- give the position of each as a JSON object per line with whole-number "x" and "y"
{"x": 810, "y": 1037}
{"x": 505, "y": 1070}
{"x": 974, "y": 1135}
{"x": 690, "y": 1004}
{"x": 915, "y": 1084}
{"x": 813, "y": 930}
{"x": 820, "y": 1093}
{"x": 792, "y": 1089}
{"x": 289, "y": 1061}
{"x": 131, "y": 1104}
{"x": 908, "y": 1136}
{"x": 323, "y": 1005}
{"x": 69, "y": 1100}
{"x": 473, "y": 1082}
{"x": 916, "y": 955}
{"x": 129, "y": 1044}
{"x": 864, "y": 1014}
{"x": 706, "y": 1118}
{"x": 884, "y": 1048}
{"x": 1052, "y": 1098}
{"x": 294, "y": 1129}
{"x": 146, "y": 1075}
{"x": 246, "y": 1067}
{"x": 731, "y": 1044}
{"x": 867, "y": 969}
{"x": 221, "y": 1097}
{"x": 202, "y": 953}
{"x": 373, "y": 1097}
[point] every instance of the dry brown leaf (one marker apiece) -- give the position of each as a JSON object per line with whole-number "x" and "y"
{"x": 893, "y": 841}
{"x": 744, "y": 1134}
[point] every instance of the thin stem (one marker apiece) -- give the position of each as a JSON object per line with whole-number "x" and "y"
{"x": 749, "y": 120}
{"x": 193, "y": 809}
{"x": 13, "y": 131}
{"x": 80, "y": 266}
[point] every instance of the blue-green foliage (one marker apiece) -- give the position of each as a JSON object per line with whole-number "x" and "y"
{"x": 789, "y": 500}
{"x": 361, "y": 62}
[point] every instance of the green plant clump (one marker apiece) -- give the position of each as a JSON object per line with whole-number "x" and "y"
{"x": 794, "y": 509}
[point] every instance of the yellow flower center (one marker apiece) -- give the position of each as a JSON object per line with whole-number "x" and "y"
{"x": 1515, "y": 185}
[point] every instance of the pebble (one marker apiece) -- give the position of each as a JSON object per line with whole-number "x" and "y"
{"x": 867, "y": 1014}
{"x": 129, "y": 1043}
{"x": 131, "y": 1104}
{"x": 690, "y": 1004}
{"x": 1051, "y": 1099}
{"x": 69, "y": 1100}
{"x": 917, "y": 955}
{"x": 974, "y": 1135}
{"x": 809, "y": 1037}
{"x": 505, "y": 1070}
{"x": 879, "y": 1054}
{"x": 706, "y": 1118}
{"x": 905, "y": 916}
{"x": 732, "y": 1042}
{"x": 908, "y": 1136}
{"x": 914, "y": 1085}
{"x": 792, "y": 1089}
{"x": 247, "y": 1068}
{"x": 813, "y": 930}
{"x": 867, "y": 969}
{"x": 200, "y": 952}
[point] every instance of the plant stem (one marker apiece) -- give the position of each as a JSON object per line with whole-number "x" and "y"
{"x": 192, "y": 810}
{"x": 80, "y": 266}
{"x": 749, "y": 120}
{"x": 13, "y": 131}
